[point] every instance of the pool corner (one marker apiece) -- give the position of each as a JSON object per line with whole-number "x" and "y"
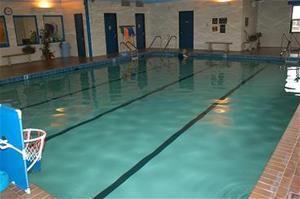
{"x": 281, "y": 176}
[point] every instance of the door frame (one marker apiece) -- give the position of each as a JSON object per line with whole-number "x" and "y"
{"x": 83, "y": 34}
{"x": 193, "y": 28}
{"x": 144, "y": 36}
{"x": 106, "y": 34}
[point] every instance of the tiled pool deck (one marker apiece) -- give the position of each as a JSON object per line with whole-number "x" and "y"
{"x": 281, "y": 176}
{"x": 12, "y": 192}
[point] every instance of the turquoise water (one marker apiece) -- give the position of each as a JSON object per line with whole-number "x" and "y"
{"x": 100, "y": 123}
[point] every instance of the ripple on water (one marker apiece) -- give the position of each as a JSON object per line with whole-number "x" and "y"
{"x": 234, "y": 190}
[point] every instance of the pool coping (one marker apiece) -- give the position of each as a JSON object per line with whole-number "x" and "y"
{"x": 13, "y": 192}
{"x": 124, "y": 57}
{"x": 281, "y": 175}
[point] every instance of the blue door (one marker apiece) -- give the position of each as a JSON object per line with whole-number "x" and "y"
{"x": 186, "y": 30}
{"x": 111, "y": 34}
{"x": 80, "y": 35}
{"x": 140, "y": 31}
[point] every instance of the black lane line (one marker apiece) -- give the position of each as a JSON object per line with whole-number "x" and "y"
{"x": 169, "y": 141}
{"x": 124, "y": 104}
{"x": 81, "y": 90}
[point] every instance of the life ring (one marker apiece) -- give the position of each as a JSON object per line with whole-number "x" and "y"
{"x": 4, "y": 180}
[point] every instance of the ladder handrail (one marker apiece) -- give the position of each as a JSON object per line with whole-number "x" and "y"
{"x": 297, "y": 41}
{"x": 283, "y": 36}
{"x": 126, "y": 45}
{"x": 295, "y": 38}
{"x": 288, "y": 49}
{"x": 154, "y": 39}
{"x": 169, "y": 40}
{"x": 298, "y": 49}
{"x": 131, "y": 44}
{"x": 285, "y": 50}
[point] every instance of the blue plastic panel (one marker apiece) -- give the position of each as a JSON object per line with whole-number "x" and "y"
{"x": 11, "y": 161}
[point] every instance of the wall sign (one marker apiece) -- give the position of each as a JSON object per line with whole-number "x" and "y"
{"x": 8, "y": 11}
{"x": 223, "y": 20}
{"x": 223, "y": 28}
{"x": 215, "y": 28}
{"x": 214, "y": 20}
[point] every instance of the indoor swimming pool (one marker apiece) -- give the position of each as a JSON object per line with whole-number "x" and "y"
{"x": 156, "y": 127}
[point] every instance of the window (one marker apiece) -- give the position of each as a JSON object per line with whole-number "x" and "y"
{"x": 55, "y": 26}
{"x": 26, "y": 30}
{"x": 295, "y": 22}
{"x": 3, "y": 33}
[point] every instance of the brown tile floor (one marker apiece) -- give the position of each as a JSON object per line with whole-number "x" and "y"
{"x": 12, "y": 192}
{"x": 39, "y": 66}
{"x": 281, "y": 176}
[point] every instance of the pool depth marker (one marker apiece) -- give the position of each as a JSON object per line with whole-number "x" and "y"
{"x": 169, "y": 141}
{"x": 125, "y": 104}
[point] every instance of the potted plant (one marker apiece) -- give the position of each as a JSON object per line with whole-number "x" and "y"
{"x": 46, "y": 39}
{"x": 27, "y": 49}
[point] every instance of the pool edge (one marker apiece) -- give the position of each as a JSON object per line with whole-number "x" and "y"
{"x": 125, "y": 57}
{"x": 12, "y": 192}
{"x": 281, "y": 175}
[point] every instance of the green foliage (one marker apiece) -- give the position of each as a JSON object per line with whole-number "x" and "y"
{"x": 46, "y": 39}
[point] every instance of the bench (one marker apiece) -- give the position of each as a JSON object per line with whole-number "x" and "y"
{"x": 210, "y": 43}
{"x": 16, "y": 55}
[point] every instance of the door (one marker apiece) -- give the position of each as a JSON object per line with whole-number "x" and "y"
{"x": 186, "y": 30}
{"x": 111, "y": 34}
{"x": 140, "y": 31}
{"x": 80, "y": 35}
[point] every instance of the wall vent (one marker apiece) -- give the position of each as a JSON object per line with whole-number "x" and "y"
{"x": 125, "y": 2}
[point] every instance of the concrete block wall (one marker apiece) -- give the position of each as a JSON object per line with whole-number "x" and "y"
{"x": 165, "y": 21}
{"x": 274, "y": 19}
{"x": 69, "y": 8}
{"x": 66, "y": 9}
{"x": 250, "y": 11}
{"x": 125, "y": 16}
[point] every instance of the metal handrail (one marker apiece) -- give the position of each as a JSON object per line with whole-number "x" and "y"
{"x": 298, "y": 49}
{"x": 283, "y": 36}
{"x": 131, "y": 44}
{"x": 287, "y": 49}
{"x": 154, "y": 39}
{"x": 169, "y": 40}
{"x": 126, "y": 45}
{"x": 295, "y": 38}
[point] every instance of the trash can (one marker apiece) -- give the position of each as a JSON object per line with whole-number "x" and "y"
{"x": 65, "y": 49}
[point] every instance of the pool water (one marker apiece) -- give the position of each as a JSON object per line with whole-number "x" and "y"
{"x": 156, "y": 128}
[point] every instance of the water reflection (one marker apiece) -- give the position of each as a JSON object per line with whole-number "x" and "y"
{"x": 129, "y": 71}
{"x": 186, "y": 67}
{"x": 142, "y": 73}
{"x": 94, "y": 91}
{"x": 9, "y": 97}
{"x": 85, "y": 83}
{"x": 293, "y": 80}
{"x": 114, "y": 72}
{"x": 217, "y": 79}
